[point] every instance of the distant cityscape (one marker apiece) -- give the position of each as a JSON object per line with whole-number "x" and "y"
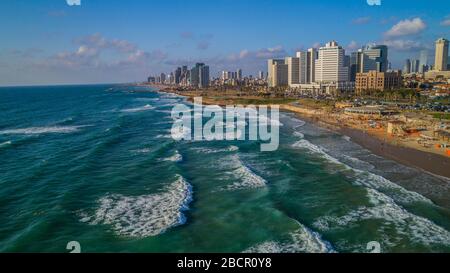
{"x": 328, "y": 71}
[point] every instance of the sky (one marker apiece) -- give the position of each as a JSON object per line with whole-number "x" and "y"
{"x": 108, "y": 41}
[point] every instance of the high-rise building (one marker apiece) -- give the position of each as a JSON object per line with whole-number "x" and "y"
{"x": 303, "y": 66}
{"x": 415, "y": 64}
{"x": 424, "y": 57}
{"x": 277, "y": 72}
{"x": 355, "y": 64}
{"x": 293, "y": 66}
{"x": 163, "y": 78}
{"x": 177, "y": 75}
{"x": 239, "y": 74}
{"x": 330, "y": 64}
{"x": 374, "y": 57}
{"x": 194, "y": 76}
{"x": 311, "y": 65}
{"x": 261, "y": 75}
{"x": 407, "y": 67}
{"x": 203, "y": 75}
{"x": 224, "y": 75}
{"x": 441, "y": 59}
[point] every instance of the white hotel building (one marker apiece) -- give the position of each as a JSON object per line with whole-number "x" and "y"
{"x": 330, "y": 66}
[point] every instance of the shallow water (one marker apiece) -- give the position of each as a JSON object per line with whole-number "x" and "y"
{"x": 96, "y": 164}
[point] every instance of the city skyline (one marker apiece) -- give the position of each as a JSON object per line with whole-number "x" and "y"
{"x": 54, "y": 43}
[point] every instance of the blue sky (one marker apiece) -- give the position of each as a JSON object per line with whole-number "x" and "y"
{"x": 50, "y": 42}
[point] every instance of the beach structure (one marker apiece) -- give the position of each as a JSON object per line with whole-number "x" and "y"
{"x": 375, "y": 110}
{"x": 395, "y": 127}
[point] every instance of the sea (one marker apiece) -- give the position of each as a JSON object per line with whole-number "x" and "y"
{"x": 96, "y": 164}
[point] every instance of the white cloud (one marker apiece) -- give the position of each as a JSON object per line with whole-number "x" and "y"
{"x": 407, "y": 27}
{"x": 353, "y": 46}
{"x": 404, "y": 45}
{"x": 445, "y": 23}
{"x": 91, "y": 48}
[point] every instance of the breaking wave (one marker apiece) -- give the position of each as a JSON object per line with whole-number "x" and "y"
{"x": 146, "y": 215}
{"x": 366, "y": 178}
{"x": 303, "y": 240}
{"x": 138, "y": 109}
{"x": 177, "y": 157}
{"x": 43, "y": 130}
{"x": 245, "y": 177}
{"x": 384, "y": 208}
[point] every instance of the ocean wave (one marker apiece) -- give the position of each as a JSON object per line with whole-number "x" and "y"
{"x": 347, "y": 138}
{"x": 303, "y": 240}
{"x": 146, "y": 215}
{"x": 5, "y": 144}
{"x": 43, "y": 130}
{"x": 366, "y": 178}
{"x": 177, "y": 157}
{"x": 298, "y": 134}
{"x": 384, "y": 208}
{"x": 246, "y": 177}
{"x": 143, "y": 151}
{"x": 146, "y": 99}
{"x": 204, "y": 150}
{"x": 138, "y": 109}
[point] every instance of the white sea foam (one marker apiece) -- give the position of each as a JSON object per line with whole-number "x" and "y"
{"x": 366, "y": 178}
{"x": 5, "y": 144}
{"x": 146, "y": 99}
{"x": 347, "y": 138}
{"x": 384, "y": 208}
{"x": 180, "y": 133}
{"x": 146, "y": 215}
{"x": 245, "y": 178}
{"x": 302, "y": 240}
{"x": 177, "y": 157}
{"x": 43, "y": 130}
{"x": 138, "y": 109}
{"x": 204, "y": 150}
{"x": 143, "y": 151}
{"x": 298, "y": 134}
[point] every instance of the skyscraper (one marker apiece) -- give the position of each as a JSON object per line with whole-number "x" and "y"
{"x": 293, "y": 66}
{"x": 194, "y": 76}
{"x": 277, "y": 72}
{"x": 424, "y": 57}
{"x": 441, "y": 59}
{"x": 330, "y": 64}
{"x": 203, "y": 75}
{"x": 375, "y": 57}
{"x": 355, "y": 64}
{"x": 261, "y": 75}
{"x": 311, "y": 65}
{"x": 423, "y": 66}
{"x": 239, "y": 74}
{"x": 303, "y": 66}
{"x": 178, "y": 75}
{"x": 407, "y": 67}
{"x": 415, "y": 64}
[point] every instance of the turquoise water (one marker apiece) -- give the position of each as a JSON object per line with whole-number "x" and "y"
{"x": 96, "y": 164}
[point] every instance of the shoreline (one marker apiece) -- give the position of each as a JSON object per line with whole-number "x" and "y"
{"x": 432, "y": 163}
